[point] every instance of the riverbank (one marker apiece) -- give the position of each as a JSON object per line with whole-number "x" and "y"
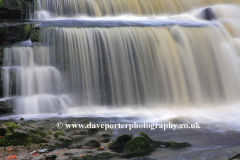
{"x": 206, "y": 144}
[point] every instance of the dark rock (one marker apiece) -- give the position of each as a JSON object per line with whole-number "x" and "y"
{"x": 208, "y": 14}
{"x": 106, "y": 135}
{"x": 21, "y": 119}
{"x": 12, "y": 32}
{"x": 3, "y": 131}
{"x": 51, "y": 157}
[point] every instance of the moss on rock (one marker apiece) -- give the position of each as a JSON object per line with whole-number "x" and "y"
{"x": 10, "y": 126}
{"x": 176, "y": 145}
{"x": 120, "y": 142}
{"x": 138, "y": 145}
{"x": 17, "y": 138}
{"x": 146, "y": 136}
{"x": 237, "y": 156}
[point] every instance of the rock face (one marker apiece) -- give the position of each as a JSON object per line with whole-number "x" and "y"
{"x": 14, "y": 31}
{"x": 16, "y": 9}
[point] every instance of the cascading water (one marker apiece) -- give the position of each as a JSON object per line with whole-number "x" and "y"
{"x": 97, "y": 8}
{"x": 164, "y": 58}
{"x": 36, "y": 86}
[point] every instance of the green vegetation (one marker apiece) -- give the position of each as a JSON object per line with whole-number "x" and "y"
{"x": 27, "y": 29}
{"x": 237, "y": 156}
{"x": 34, "y": 34}
{"x": 59, "y": 133}
{"x": 49, "y": 132}
{"x": 2, "y": 4}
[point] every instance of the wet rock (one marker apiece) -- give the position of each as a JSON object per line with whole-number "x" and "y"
{"x": 105, "y": 140}
{"x": 51, "y": 157}
{"x": 81, "y": 133}
{"x": 78, "y": 146}
{"x": 163, "y": 146}
{"x": 12, "y": 32}
{"x": 208, "y": 14}
{"x": 5, "y": 106}
{"x": 105, "y": 155}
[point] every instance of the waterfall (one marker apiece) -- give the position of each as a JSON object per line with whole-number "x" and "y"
{"x": 35, "y": 87}
{"x": 165, "y": 54}
{"x": 141, "y": 66}
{"x": 98, "y": 8}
